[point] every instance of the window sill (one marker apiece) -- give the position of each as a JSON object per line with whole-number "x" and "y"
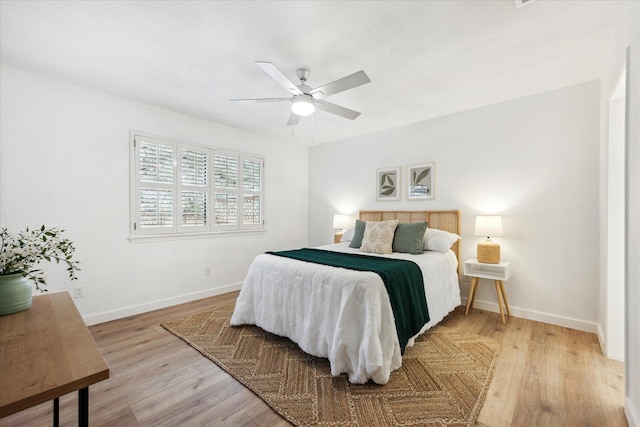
{"x": 198, "y": 235}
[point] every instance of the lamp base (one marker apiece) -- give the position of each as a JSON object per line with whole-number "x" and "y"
{"x": 488, "y": 252}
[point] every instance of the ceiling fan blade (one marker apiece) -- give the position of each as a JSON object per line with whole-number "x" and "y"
{"x": 294, "y": 119}
{"x": 279, "y": 76}
{"x": 261, "y": 100}
{"x": 337, "y": 110}
{"x": 354, "y": 80}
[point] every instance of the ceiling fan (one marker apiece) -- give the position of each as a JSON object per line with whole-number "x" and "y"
{"x": 305, "y": 99}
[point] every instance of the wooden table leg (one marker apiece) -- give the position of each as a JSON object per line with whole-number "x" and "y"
{"x": 504, "y": 297}
{"x": 472, "y": 294}
{"x": 500, "y": 303}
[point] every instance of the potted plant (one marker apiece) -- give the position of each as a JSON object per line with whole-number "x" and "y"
{"x": 20, "y": 254}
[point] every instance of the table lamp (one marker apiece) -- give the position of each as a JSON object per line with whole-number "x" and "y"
{"x": 489, "y": 225}
{"x": 341, "y": 222}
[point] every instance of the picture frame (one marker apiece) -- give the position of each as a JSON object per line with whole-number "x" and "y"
{"x": 388, "y": 184}
{"x": 421, "y": 181}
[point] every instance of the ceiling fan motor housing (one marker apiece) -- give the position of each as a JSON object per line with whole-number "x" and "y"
{"x": 303, "y": 74}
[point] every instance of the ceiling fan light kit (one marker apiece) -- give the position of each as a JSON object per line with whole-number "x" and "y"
{"x": 303, "y": 105}
{"x": 305, "y": 99}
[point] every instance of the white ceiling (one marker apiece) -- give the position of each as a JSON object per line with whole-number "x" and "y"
{"x": 425, "y": 58}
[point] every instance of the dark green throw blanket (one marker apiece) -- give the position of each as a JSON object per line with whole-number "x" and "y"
{"x": 403, "y": 280}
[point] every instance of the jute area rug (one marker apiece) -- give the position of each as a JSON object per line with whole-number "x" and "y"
{"x": 443, "y": 380}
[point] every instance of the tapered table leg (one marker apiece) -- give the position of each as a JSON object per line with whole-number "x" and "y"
{"x": 504, "y": 296}
{"x": 472, "y": 294}
{"x": 500, "y": 302}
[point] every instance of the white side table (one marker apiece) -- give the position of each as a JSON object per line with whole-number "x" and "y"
{"x": 497, "y": 272}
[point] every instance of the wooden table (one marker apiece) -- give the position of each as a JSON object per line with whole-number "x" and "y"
{"x": 46, "y": 352}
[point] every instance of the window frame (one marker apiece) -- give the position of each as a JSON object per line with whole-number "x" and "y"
{"x": 179, "y": 229}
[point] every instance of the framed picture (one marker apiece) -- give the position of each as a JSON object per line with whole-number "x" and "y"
{"x": 388, "y": 184}
{"x": 422, "y": 181}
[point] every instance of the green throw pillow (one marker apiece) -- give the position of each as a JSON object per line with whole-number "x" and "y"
{"x": 408, "y": 238}
{"x": 358, "y": 234}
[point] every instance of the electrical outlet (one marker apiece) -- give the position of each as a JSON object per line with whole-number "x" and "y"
{"x": 207, "y": 271}
{"x": 78, "y": 292}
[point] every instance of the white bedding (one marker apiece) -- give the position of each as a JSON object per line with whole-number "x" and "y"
{"x": 340, "y": 314}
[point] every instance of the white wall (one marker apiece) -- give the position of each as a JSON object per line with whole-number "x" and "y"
{"x": 632, "y": 270}
{"x": 613, "y": 243}
{"x": 627, "y": 35}
{"x": 533, "y": 160}
{"x": 64, "y": 159}
{"x": 612, "y": 196}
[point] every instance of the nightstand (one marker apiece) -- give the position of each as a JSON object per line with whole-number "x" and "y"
{"x": 496, "y": 272}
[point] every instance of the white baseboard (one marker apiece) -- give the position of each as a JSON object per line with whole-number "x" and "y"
{"x": 155, "y": 305}
{"x": 551, "y": 319}
{"x": 603, "y": 345}
{"x": 601, "y": 340}
{"x": 632, "y": 413}
{"x": 483, "y": 305}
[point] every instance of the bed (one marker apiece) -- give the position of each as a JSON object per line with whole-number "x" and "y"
{"x": 346, "y": 315}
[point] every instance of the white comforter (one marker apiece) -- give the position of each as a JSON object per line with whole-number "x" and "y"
{"x": 340, "y": 314}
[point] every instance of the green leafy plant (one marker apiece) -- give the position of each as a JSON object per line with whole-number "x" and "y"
{"x": 21, "y": 252}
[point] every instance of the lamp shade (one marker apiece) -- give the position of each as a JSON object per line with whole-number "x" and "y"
{"x": 342, "y": 221}
{"x": 489, "y": 225}
{"x": 303, "y": 105}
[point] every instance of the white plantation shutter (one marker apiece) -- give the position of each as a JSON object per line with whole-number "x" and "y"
{"x": 194, "y": 167}
{"x": 252, "y": 174}
{"x": 225, "y": 171}
{"x": 156, "y": 162}
{"x": 194, "y": 189}
{"x": 226, "y": 209}
{"x": 156, "y": 208}
{"x": 252, "y": 192}
{"x": 156, "y": 201}
{"x": 185, "y": 188}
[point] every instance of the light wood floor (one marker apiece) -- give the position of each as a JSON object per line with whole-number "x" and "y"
{"x": 546, "y": 376}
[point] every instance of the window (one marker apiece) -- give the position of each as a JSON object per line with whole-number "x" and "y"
{"x": 179, "y": 188}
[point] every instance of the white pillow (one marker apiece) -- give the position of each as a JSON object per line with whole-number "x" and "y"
{"x": 439, "y": 240}
{"x": 378, "y": 237}
{"x": 347, "y": 236}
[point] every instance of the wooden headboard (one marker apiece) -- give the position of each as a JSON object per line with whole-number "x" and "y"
{"x": 442, "y": 220}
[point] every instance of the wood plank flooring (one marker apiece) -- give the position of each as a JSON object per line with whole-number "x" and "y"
{"x": 546, "y": 376}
